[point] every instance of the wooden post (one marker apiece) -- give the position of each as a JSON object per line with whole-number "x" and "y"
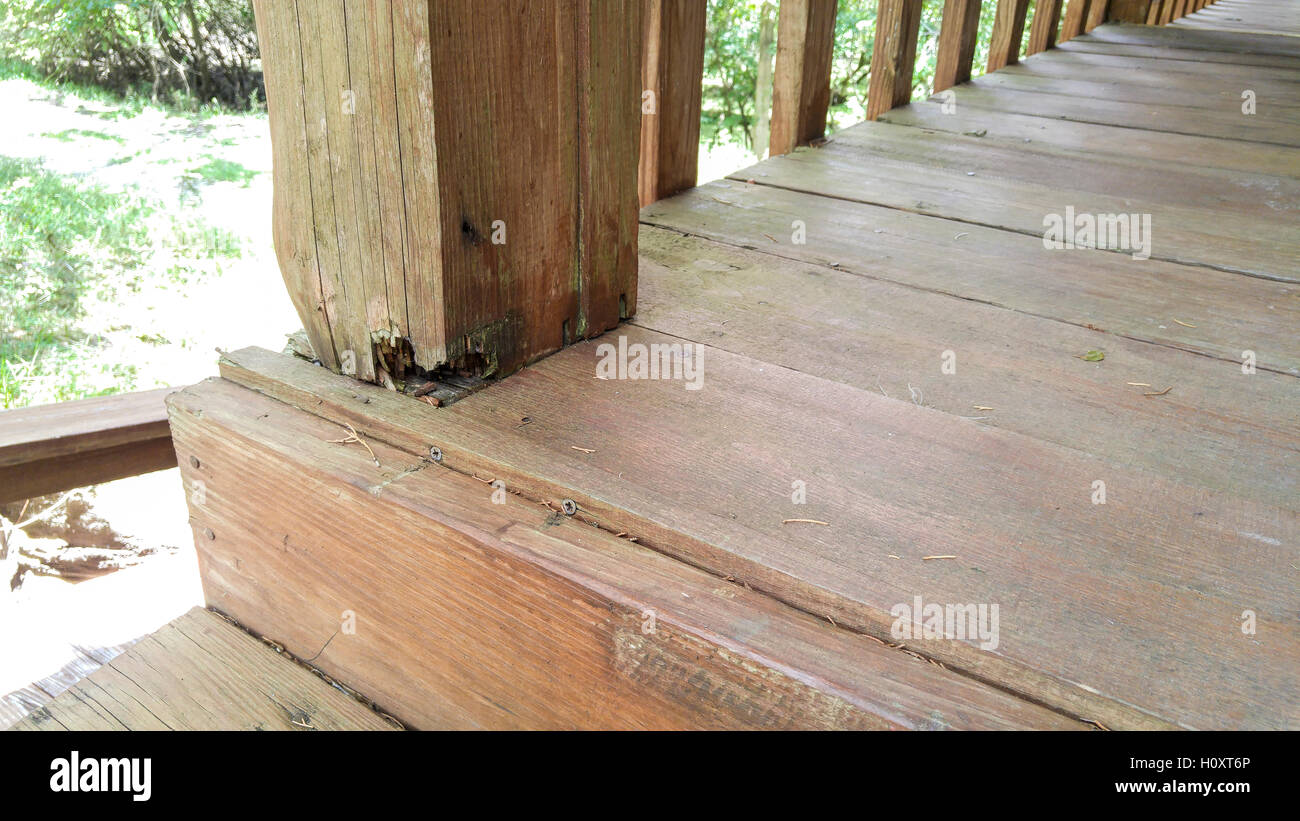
{"x": 894, "y": 55}
{"x": 958, "y": 34}
{"x": 1008, "y": 28}
{"x": 801, "y": 87}
{"x": 1096, "y": 14}
{"x": 1153, "y": 12}
{"x": 1042, "y": 31}
{"x": 672, "y": 69}
{"x": 455, "y": 181}
{"x": 1076, "y": 12}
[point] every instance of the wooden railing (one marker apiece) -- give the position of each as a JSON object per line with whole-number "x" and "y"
{"x": 673, "y": 39}
{"x": 53, "y": 448}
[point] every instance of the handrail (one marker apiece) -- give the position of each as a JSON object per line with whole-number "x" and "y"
{"x": 53, "y": 448}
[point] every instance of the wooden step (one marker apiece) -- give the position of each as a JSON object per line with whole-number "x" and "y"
{"x": 201, "y": 672}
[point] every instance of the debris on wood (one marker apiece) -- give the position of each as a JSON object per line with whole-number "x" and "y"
{"x": 981, "y": 407}
{"x": 1158, "y": 393}
{"x": 353, "y": 436}
{"x": 932, "y": 558}
{"x": 1091, "y": 356}
{"x": 584, "y": 450}
{"x": 1184, "y": 324}
{"x": 805, "y": 521}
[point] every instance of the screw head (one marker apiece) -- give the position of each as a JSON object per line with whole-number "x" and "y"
{"x": 569, "y": 507}
{"x": 435, "y": 453}
{"x": 194, "y": 461}
{"x": 207, "y": 531}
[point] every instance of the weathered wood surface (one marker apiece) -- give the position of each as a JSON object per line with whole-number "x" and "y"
{"x": 472, "y": 614}
{"x": 52, "y": 448}
{"x": 200, "y": 672}
{"x": 672, "y": 69}
{"x": 893, "y": 55}
{"x": 441, "y": 201}
{"x": 963, "y": 178}
{"x": 1247, "y": 16}
{"x": 801, "y": 84}
{"x": 825, "y": 290}
{"x": 958, "y": 35}
{"x": 1008, "y": 30}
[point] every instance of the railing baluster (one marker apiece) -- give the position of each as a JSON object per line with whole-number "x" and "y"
{"x": 801, "y": 86}
{"x": 894, "y": 55}
{"x": 672, "y": 70}
{"x": 957, "y": 35}
{"x": 1008, "y": 28}
{"x": 1096, "y": 14}
{"x": 1042, "y": 31}
{"x": 1076, "y": 12}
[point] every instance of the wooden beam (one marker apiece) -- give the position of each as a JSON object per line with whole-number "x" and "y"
{"x": 1042, "y": 31}
{"x": 455, "y": 180}
{"x": 1008, "y": 29}
{"x": 67, "y": 445}
{"x": 672, "y": 70}
{"x": 801, "y": 85}
{"x": 894, "y": 55}
{"x": 958, "y": 34}
{"x": 1076, "y": 11}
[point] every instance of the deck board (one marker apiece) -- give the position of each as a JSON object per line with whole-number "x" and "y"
{"x": 200, "y": 672}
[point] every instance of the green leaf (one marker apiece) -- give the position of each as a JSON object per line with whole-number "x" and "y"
{"x": 1093, "y": 356}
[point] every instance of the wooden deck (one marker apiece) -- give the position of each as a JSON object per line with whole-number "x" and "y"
{"x": 202, "y": 673}
{"x": 882, "y": 329}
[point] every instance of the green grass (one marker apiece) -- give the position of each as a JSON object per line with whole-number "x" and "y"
{"x": 68, "y": 135}
{"x": 70, "y": 255}
{"x": 217, "y": 169}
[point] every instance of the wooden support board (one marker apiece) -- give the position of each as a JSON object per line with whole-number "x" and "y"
{"x": 200, "y": 672}
{"x": 53, "y": 448}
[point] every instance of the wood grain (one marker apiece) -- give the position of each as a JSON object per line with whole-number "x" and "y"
{"x": 456, "y": 208}
{"x": 53, "y": 448}
{"x": 201, "y": 672}
{"x": 893, "y": 55}
{"x": 801, "y": 82}
{"x": 1008, "y": 30}
{"x": 958, "y": 34}
{"x": 1042, "y": 31}
{"x": 672, "y": 68}
{"x": 471, "y": 614}
{"x": 894, "y": 479}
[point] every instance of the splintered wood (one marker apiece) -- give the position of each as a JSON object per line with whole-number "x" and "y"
{"x": 455, "y": 182}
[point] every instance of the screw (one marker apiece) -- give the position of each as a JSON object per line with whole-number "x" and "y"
{"x": 435, "y": 453}
{"x": 207, "y": 531}
{"x": 569, "y": 507}
{"x": 194, "y": 461}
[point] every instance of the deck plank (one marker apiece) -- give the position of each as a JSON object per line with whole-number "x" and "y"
{"x": 1196, "y": 218}
{"x": 1024, "y": 367}
{"x": 1089, "y": 288}
{"x": 202, "y": 673}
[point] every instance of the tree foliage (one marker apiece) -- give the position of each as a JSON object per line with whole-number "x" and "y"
{"x": 180, "y": 51}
